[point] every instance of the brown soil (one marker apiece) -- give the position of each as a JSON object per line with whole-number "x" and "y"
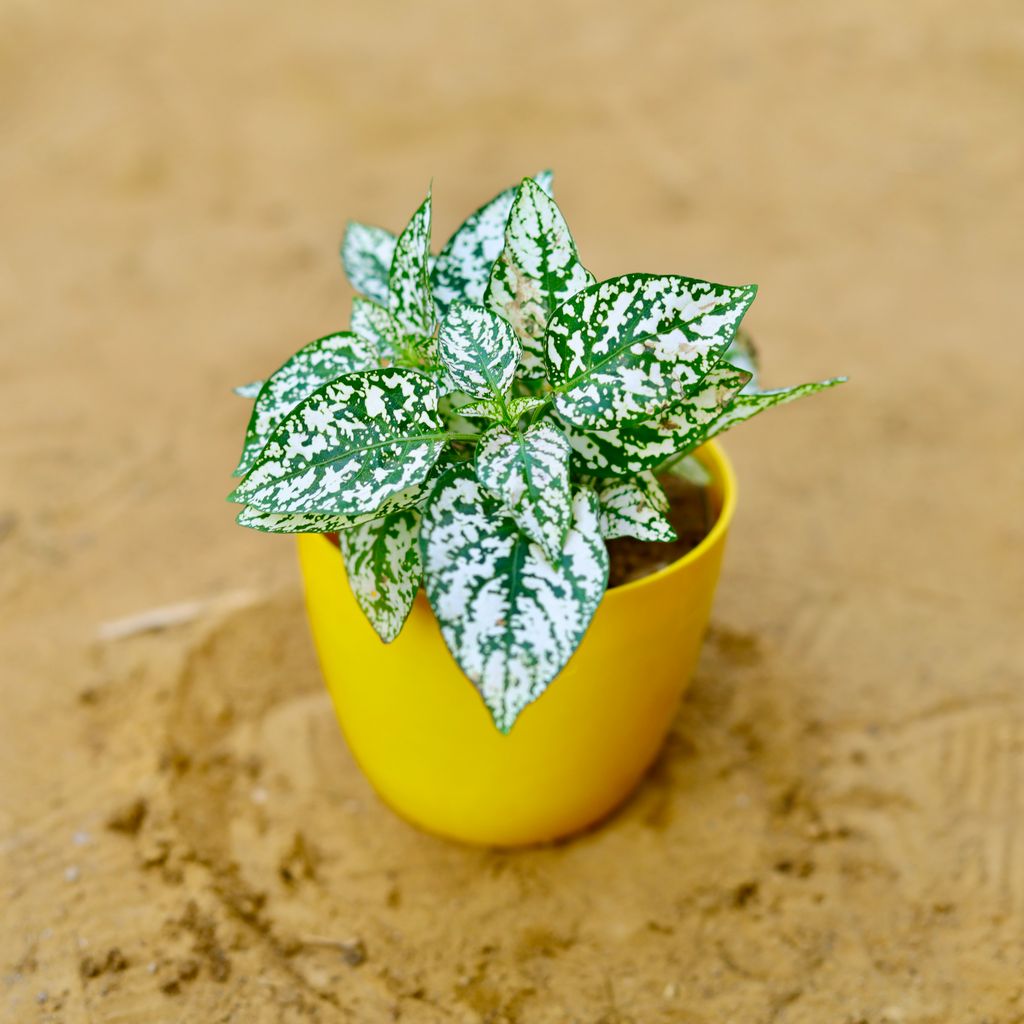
{"x": 833, "y": 832}
{"x": 691, "y": 516}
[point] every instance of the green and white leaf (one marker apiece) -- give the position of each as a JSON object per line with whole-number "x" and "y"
{"x": 374, "y": 322}
{"x": 349, "y": 445}
{"x": 314, "y": 364}
{"x": 529, "y": 474}
{"x": 451, "y": 406}
{"x": 634, "y": 447}
{"x": 517, "y": 408}
{"x": 511, "y": 617}
{"x": 523, "y": 404}
{"x": 630, "y": 347}
{"x": 322, "y": 522}
{"x": 366, "y": 254}
{"x": 634, "y": 507}
{"x": 481, "y": 408}
{"x": 250, "y": 390}
{"x": 479, "y": 349}
{"x": 409, "y": 281}
{"x": 745, "y": 406}
{"x": 298, "y": 522}
{"x": 384, "y": 569}
{"x": 537, "y": 270}
{"x": 463, "y": 266}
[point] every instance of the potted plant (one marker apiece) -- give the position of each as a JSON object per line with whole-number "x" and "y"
{"x": 495, "y": 431}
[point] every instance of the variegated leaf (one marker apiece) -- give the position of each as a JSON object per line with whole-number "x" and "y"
{"x": 409, "y": 281}
{"x": 635, "y": 507}
{"x": 375, "y": 323}
{"x": 321, "y": 522}
{"x": 516, "y": 408}
{"x": 523, "y": 404}
{"x": 511, "y": 617}
{"x": 299, "y": 522}
{"x": 464, "y": 264}
{"x": 744, "y": 406}
{"x": 366, "y": 254}
{"x": 634, "y": 447}
{"x": 310, "y": 367}
{"x": 349, "y": 445}
{"x": 450, "y": 406}
{"x": 479, "y": 350}
{"x": 529, "y": 474}
{"x": 250, "y": 390}
{"x": 482, "y": 408}
{"x": 630, "y": 347}
{"x": 537, "y": 270}
{"x": 384, "y": 569}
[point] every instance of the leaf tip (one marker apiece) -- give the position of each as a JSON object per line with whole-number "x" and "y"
{"x": 503, "y": 722}
{"x": 530, "y": 185}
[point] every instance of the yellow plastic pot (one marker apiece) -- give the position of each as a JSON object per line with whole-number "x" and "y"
{"x": 423, "y": 737}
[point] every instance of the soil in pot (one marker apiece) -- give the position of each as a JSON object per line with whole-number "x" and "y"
{"x": 691, "y": 515}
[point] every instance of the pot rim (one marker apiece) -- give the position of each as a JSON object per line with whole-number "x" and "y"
{"x": 714, "y": 459}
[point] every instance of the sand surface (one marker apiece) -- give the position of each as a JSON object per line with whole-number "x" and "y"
{"x": 834, "y": 833}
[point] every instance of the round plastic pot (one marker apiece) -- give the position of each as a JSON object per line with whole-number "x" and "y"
{"x": 424, "y": 739}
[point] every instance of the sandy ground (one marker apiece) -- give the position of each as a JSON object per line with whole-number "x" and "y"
{"x": 834, "y": 831}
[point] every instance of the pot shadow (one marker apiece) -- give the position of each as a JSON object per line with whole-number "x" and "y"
{"x": 319, "y": 875}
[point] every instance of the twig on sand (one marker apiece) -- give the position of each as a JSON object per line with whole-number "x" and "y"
{"x": 167, "y": 616}
{"x": 353, "y": 951}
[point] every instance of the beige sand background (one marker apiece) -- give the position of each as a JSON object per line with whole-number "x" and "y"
{"x": 834, "y": 831}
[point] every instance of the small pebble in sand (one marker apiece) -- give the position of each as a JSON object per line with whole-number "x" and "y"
{"x": 71, "y": 873}
{"x": 128, "y": 818}
{"x": 81, "y": 838}
{"x": 353, "y": 952}
{"x": 41, "y": 997}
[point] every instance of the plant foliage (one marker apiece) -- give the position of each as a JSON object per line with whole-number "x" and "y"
{"x": 491, "y": 418}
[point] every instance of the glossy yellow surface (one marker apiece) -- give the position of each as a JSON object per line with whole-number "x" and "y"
{"x": 426, "y": 742}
